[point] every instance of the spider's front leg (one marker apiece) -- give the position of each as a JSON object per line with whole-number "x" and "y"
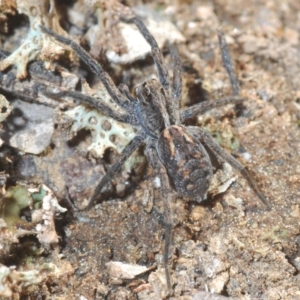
{"x": 172, "y": 103}
{"x": 126, "y": 153}
{"x": 96, "y": 68}
{"x": 98, "y": 104}
{"x": 207, "y": 140}
{"x": 162, "y": 69}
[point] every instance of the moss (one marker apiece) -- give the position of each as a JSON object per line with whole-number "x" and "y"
{"x": 38, "y": 197}
{"x": 224, "y": 137}
{"x": 16, "y": 199}
{"x": 276, "y": 235}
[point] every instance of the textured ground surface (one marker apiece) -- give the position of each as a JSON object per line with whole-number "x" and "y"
{"x": 231, "y": 245}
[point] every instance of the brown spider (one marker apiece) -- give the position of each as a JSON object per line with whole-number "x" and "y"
{"x": 175, "y": 151}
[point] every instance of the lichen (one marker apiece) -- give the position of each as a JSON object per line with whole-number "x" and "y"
{"x": 106, "y": 133}
{"x": 44, "y": 209}
{"x": 7, "y": 238}
{"x": 45, "y": 216}
{"x": 37, "y": 44}
{"x": 15, "y": 199}
{"x": 15, "y": 282}
{"x": 5, "y": 110}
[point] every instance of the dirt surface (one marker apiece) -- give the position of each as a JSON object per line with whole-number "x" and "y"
{"x": 230, "y": 245}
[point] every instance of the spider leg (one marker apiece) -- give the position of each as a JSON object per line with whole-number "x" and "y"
{"x": 168, "y": 223}
{"x": 95, "y": 67}
{"x": 156, "y": 53}
{"x": 205, "y": 106}
{"x": 126, "y": 153}
{"x": 208, "y": 105}
{"x": 123, "y": 88}
{"x": 166, "y": 195}
{"x": 211, "y": 144}
{"x": 176, "y": 84}
{"x": 227, "y": 63}
{"x": 162, "y": 69}
{"x": 105, "y": 109}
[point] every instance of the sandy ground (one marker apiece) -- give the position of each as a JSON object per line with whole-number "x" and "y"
{"x": 230, "y": 245}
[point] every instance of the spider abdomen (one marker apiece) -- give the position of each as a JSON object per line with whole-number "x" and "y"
{"x": 186, "y": 161}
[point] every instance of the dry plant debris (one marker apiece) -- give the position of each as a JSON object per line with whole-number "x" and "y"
{"x": 226, "y": 249}
{"x": 5, "y": 109}
{"x": 16, "y": 279}
{"x": 36, "y": 44}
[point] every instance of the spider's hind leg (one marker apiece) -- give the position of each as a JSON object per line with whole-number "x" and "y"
{"x": 168, "y": 219}
{"x": 207, "y": 140}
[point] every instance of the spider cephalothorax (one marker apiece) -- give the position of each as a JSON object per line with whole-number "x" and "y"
{"x": 175, "y": 151}
{"x": 150, "y": 108}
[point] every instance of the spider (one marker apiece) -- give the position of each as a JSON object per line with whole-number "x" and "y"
{"x": 175, "y": 151}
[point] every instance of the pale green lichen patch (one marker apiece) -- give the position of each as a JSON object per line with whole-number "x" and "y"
{"x": 106, "y": 133}
{"x": 12, "y": 280}
{"x": 38, "y": 197}
{"x": 16, "y": 198}
{"x": 45, "y": 207}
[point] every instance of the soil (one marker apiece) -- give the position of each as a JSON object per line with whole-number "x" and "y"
{"x": 229, "y": 245}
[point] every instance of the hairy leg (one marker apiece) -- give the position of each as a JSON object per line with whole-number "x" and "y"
{"x": 94, "y": 67}
{"x": 126, "y": 153}
{"x": 166, "y": 196}
{"x": 123, "y": 88}
{"x": 96, "y": 103}
{"x": 227, "y": 63}
{"x": 176, "y": 85}
{"x": 235, "y": 99}
{"x": 166, "y": 193}
{"x": 205, "y": 106}
{"x": 207, "y": 140}
{"x": 156, "y": 53}
{"x": 162, "y": 70}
